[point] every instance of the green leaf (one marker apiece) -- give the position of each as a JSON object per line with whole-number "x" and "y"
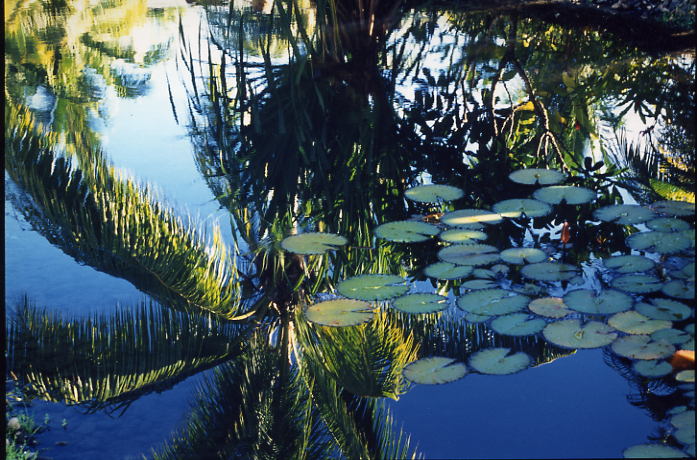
{"x": 674, "y": 208}
{"x": 420, "y": 303}
{"x": 406, "y": 231}
{"x": 492, "y": 302}
{"x": 661, "y": 242}
{"x": 555, "y": 194}
{"x": 666, "y": 309}
{"x": 549, "y": 271}
{"x": 653, "y": 451}
{"x": 340, "y": 312}
{"x": 642, "y": 347}
{"x": 523, "y": 255}
{"x": 652, "y": 368}
{"x": 532, "y": 176}
{"x": 517, "y": 324}
{"x": 470, "y": 218}
{"x": 462, "y": 236}
{"x": 550, "y": 307}
{"x": 313, "y": 243}
{"x": 629, "y": 263}
{"x": 499, "y": 361}
{"x": 633, "y": 322}
{"x": 447, "y": 271}
{"x": 667, "y": 224}
{"x": 372, "y": 287}
{"x": 571, "y": 333}
{"x": 624, "y": 214}
{"x": 433, "y": 193}
{"x": 637, "y": 284}
{"x": 434, "y": 370}
{"x": 469, "y": 254}
{"x": 679, "y": 289}
{"x": 518, "y": 207}
{"x": 605, "y": 302}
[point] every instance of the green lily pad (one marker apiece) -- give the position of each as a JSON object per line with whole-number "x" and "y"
{"x": 688, "y": 375}
{"x": 517, "y": 324}
{"x": 523, "y": 255}
{"x": 447, "y": 271}
{"x": 642, "y": 347}
{"x": 666, "y": 309}
{"x": 667, "y": 224}
{"x": 339, "y": 312}
{"x": 372, "y": 287}
{"x": 637, "y": 284}
{"x": 469, "y": 254}
{"x": 500, "y": 268}
{"x": 470, "y": 218}
{"x": 555, "y": 194}
{"x": 475, "y": 318}
{"x": 674, "y": 208}
{"x": 653, "y": 451}
{"x": 484, "y": 273}
{"x": 660, "y": 242}
{"x": 629, "y": 263}
{"x": 479, "y": 284}
{"x": 652, "y": 368}
{"x": 571, "y": 333}
{"x": 517, "y": 207}
{"x": 624, "y": 214}
{"x": 690, "y": 235}
{"x": 684, "y": 419}
{"x": 549, "y": 271}
{"x": 462, "y": 236}
{"x": 312, "y": 243}
{"x": 433, "y": 193}
{"x": 686, "y": 273}
{"x": 420, "y": 303}
{"x": 434, "y": 370}
{"x": 406, "y": 231}
{"x": 605, "y": 302}
{"x": 499, "y": 361}
{"x": 550, "y": 307}
{"x": 670, "y": 335}
{"x": 679, "y": 289}
{"x": 532, "y": 176}
{"x": 633, "y": 322}
{"x": 492, "y": 302}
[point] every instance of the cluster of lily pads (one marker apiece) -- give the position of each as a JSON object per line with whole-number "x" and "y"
{"x": 627, "y": 315}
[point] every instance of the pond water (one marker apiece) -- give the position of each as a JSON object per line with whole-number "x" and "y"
{"x": 218, "y": 218}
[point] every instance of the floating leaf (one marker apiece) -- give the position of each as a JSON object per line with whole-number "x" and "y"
{"x": 517, "y": 324}
{"x": 517, "y": 207}
{"x": 447, "y": 271}
{"x": 479, "y": 284}
{"x": 406, "y": 231}
{"x": 687, "y": 375}
{"x": 569, "y": 193}
{"x": 667, "y": 224}
{"x": 492, "y": 302}
{"x": 499, "y": 361}
{"x": 670, "y": 335}
{"x": 549, "y": 271}
{"x": 666, "y": 309}
{"x": 475, "y": 318}
{"x": 312, "y": 243}
{"x": 674, "y": 208}
{"x": 679, "y": 289}
{"x": 420, "y": 303}
{"x": 685, "y": 419}
{"x": 629, "y": 263}
{"x": 653, "y": 451}
{"x": 605, "y": 302}
{"x": 624, "y": 214}
{"x": 462, "y": 236}
{"x": 687, "y": 272}
{"x": 523, "y": 255}
{"x": 642, "y": 347}
{"x": 571, "y": 333}
{"x": 637, "y": 284}
{"x": 483, "y": 273}
{"x": 469, "y": 254}
{"x": 339, "y": 312}
{"x": 434, "y": 370}
{"x": 550, "y": 307}
{"x": 533, "y": 176}
{"x": 470, "y": 218}
{"x": 372, "y": 287}
{"x": 660, "y": 242}
{"x": 652, "y": 368}
{"x": 633, "y": 322}
{"x": 501, "y": 268}
{"x": 433, "y": 193}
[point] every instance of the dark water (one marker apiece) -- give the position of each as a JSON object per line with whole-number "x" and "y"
{"x": 158, "y": 154}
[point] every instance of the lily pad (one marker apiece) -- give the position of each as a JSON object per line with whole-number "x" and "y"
{"x": 667, "y": 224}
{"x": 624, "y": 214}
{"x": 555, "y": 194}
{"x": 629, "y": 263}
{"x": 420, "y": 303}
{"x": 372, "y": 287}
{"x": 469, "y": 254}
{"x": 679, "y": 289}
{"x": 652, "y": 368}
{"x": 433, "y": 193}
{"x": 462, "y": 236}
{"x": 633, "y": 322}
{"x": 470, "y": 218}
{"x": 434, "y": 370}
{"x": 523, "y": 255}
{"x": 339, "y": 312}
{"x": 517, "y": 324}
{"x": 687, "y": 272}
{"x": 406, "y": 231}
{"x": 688, "y": 375}
{"x": 447, "y": 271}
{"x": 479, "y": 284}
{"x": 605, "y": 302}
{"x": 501, "y": 268}
{"x": 571, "y": 333}
{"x": 670, "y": 335}
{"x": 532, "y": 176}
{"x": 642, "y": 347}
{"x": 475, "y": 318}
{"x": 492, "y": 302}
{"x": 549, "y": 271}
{"x": 518, "y": 207}
{"x": 313, "y": 243}
{"x": 550, "y": 307}
{"x": 674, "y": 208}
{"x": 484, "y": 273}
{"x": 499, "y": 361}
{"x": 660, "y": 242}
{"x": 637, "y": 284}
{"x": 653, "y": 451}
{"x": 666, "y": 309}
